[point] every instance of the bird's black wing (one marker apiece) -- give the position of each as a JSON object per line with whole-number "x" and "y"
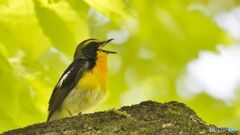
{"x": 66, "y": 83}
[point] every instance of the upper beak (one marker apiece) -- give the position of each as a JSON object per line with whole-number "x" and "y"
{"x": 103, "y": 43}
{"x": 106, "y": 42}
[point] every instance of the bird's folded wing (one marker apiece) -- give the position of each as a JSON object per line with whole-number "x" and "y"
{"x": 67, "y": 82}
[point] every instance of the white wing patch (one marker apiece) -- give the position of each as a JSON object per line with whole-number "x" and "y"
{"x": 63, "y": 78}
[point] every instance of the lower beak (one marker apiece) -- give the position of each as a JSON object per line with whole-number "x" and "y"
{"x": 107, "y": 51}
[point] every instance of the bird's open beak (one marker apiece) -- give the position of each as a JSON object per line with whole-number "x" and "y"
{"x": 103, "y": 43}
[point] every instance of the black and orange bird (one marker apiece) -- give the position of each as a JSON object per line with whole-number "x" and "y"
{"x": 83, "y": 84}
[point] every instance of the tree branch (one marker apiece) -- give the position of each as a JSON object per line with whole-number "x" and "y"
{"x": 145, "y": 118}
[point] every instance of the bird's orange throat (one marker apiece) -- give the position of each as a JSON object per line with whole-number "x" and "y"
{"x": 100, "y": 70}
{"x": 96, "y": 79}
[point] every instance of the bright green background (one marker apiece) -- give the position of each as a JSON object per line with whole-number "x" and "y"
{"x": 155, "y": 39}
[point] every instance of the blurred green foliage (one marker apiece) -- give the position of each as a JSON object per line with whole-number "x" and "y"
{"x": 155, "y": 41}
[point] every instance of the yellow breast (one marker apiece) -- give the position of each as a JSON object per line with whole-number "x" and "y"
{"x": 96, "y": 79}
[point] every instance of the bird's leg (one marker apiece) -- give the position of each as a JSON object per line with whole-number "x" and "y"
{"x": 69, "y": 112}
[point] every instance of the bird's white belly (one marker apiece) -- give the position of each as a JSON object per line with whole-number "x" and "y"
{"x": 79, "y": 101}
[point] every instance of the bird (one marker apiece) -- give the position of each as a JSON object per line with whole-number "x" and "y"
{"x": 83, "y": 84}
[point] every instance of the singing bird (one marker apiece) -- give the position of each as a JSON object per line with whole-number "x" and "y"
{"x": 83, "y": 84}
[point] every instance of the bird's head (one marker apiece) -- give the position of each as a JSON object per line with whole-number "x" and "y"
{"x": 88, "y": 49}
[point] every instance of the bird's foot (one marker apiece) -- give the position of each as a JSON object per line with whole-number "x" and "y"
{"x": 122, "y": 113}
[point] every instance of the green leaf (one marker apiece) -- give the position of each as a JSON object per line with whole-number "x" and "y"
{"x": 64, "y": 32}
{"x": 17, "y": 98}
{"x": 114, "y": 9}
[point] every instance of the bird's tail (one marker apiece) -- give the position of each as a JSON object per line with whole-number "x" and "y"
{"x": 49, "y": 116}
